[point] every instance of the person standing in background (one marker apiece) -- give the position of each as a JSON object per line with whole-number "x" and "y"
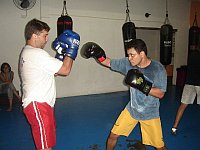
{"x": 191, "y": 88}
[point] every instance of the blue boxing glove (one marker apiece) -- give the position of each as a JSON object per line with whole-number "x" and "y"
{"x": 72, "y": 39}
{"x": 59, "y": 47}
{"x": 67, "y": 43}
{"x": 60, "y": 56}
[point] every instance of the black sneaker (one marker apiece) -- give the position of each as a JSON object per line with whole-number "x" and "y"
{"x": 174, "y": 131}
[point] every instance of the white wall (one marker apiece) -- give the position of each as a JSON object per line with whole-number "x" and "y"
{"x": 95, "y": 20}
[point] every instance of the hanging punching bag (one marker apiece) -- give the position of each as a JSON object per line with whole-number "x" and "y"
{"x": 64, "y": 22}
{"x": 194, "y": 37}
{"x": 129, "y": 33}
{"x": 128, "y": 30}
{"x": 166, "y": 41}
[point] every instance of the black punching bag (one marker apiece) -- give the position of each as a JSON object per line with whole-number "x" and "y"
{"x": 194, "y": 37}
{"x": 128, "y": 30}
{"x": 64, "y": 22}
{"x": 129, "y": 33}
{"x": 166, "y": 41}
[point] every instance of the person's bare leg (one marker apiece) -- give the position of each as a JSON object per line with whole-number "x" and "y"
{"x": 17, "y": 95}
{"x": 10, "y": 104}
{"x": 111, "y": 141}
{"x": 179, "y": 114}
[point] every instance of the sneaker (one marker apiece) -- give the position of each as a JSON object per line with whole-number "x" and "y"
{"x": 174, "y": 131}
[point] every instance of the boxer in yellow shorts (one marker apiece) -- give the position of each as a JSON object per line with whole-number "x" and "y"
{"x": 151, "y": 129}
{"x": 147, "y": 79}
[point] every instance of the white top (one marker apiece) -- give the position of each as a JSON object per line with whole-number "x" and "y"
{"x": 37, "y": 69}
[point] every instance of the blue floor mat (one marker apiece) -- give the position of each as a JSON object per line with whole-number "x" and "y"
{"x": 84, "y": 122}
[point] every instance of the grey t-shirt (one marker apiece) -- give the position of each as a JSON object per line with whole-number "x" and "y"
{"x": 140, "y": 106}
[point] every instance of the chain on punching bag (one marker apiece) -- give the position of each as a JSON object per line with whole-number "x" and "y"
{"x": 64, "y": 22}
{"x": 128, "y": 30}
{"x": 166, "y": 41}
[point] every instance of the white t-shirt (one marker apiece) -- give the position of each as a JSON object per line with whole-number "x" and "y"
{"x": 37, "y": 69}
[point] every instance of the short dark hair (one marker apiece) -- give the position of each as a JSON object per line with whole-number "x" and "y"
{"x": 3, "y": 66}
{"x": 35, "y": 26}
{"x": 138, "y": 44}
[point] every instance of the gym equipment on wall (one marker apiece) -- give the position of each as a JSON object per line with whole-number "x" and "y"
{"x": 166, "y": 41}
{"x": 128, "y": 29}
{"x": 64, "y": 22}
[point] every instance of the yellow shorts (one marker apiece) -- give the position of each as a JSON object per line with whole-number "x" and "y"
{"x": 151, "y": 129}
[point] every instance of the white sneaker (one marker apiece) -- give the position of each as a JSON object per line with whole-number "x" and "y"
{"x": 174, "y": 131}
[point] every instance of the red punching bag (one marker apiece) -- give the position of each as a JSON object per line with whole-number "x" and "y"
{"x": 166, "y": 42}
{"x": 64, "y": 22}
{"x": 128, "y": 30}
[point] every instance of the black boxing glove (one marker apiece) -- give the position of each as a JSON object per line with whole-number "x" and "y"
{"x": 136, "y": 79}
{"x": 92, "y": 49}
